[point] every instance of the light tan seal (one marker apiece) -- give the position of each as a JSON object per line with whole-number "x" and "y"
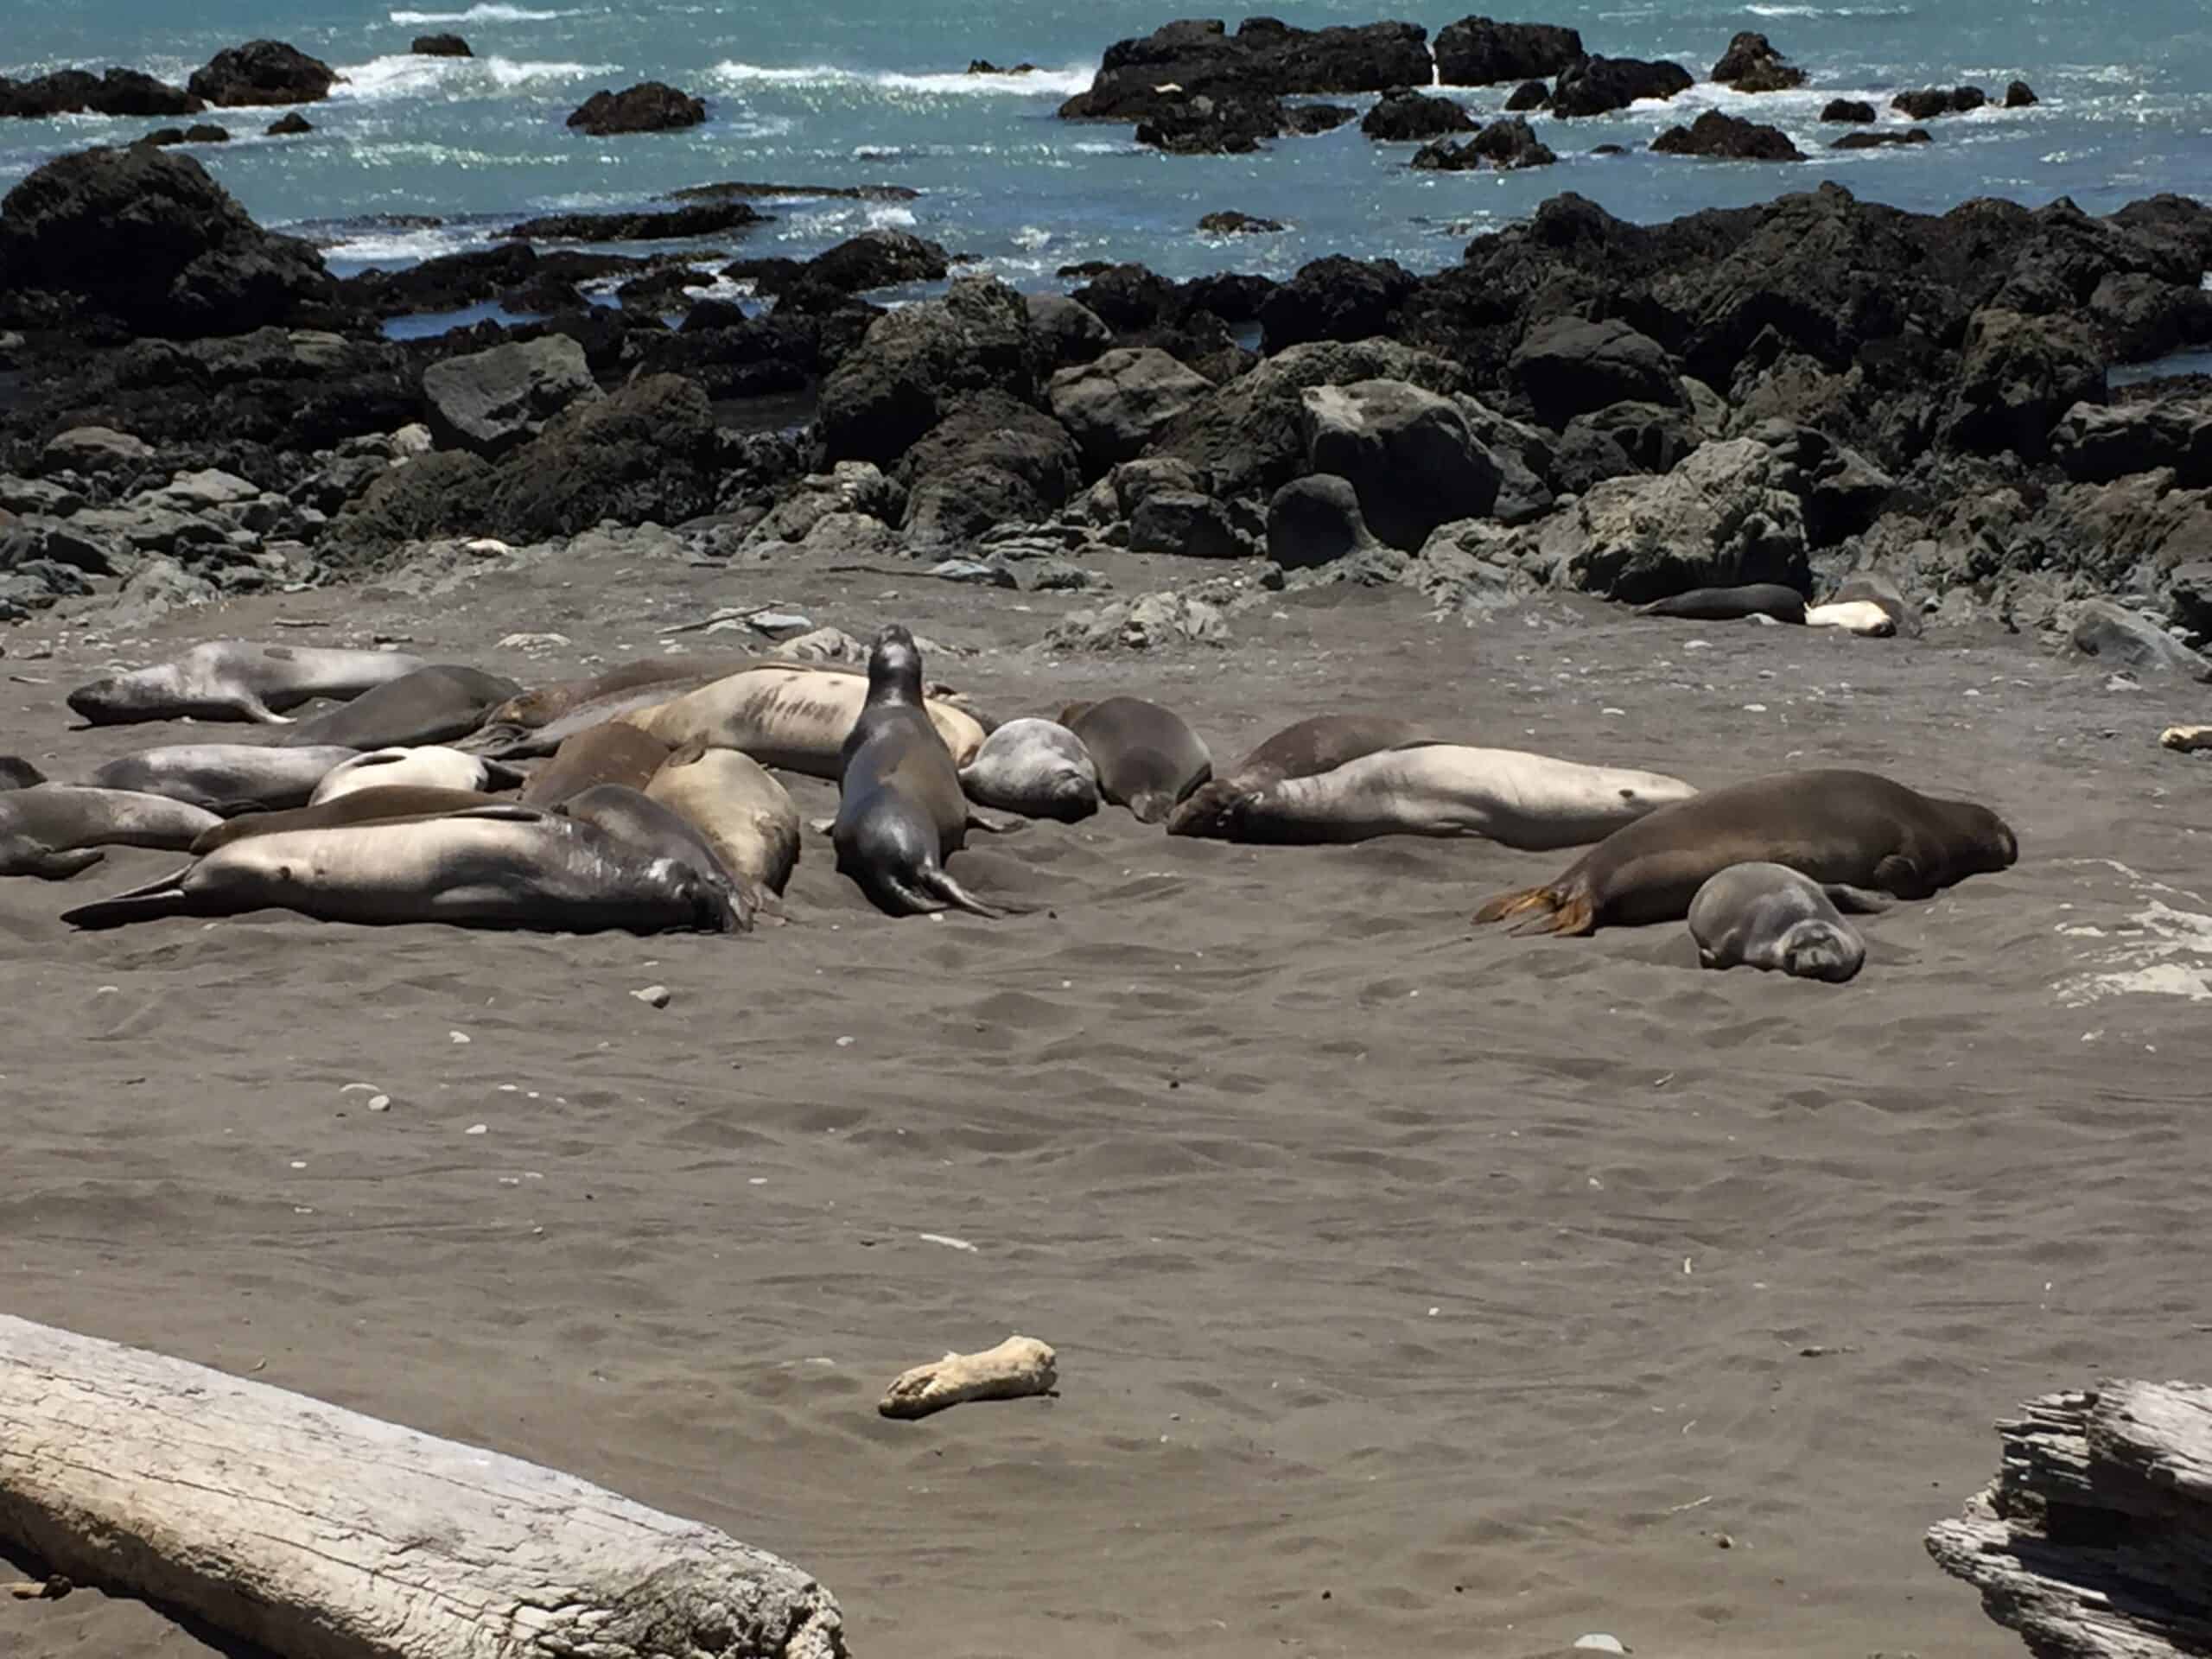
{"x": 427, "y": 767}
{"x": 385, "y": 804}
{"x": 796, "y": 717}
{"x": 610, "y": 753}
{"x": 747, "y": 818}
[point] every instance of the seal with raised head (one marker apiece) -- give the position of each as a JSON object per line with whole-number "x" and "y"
{"x": 1529, "y": 801}
{"x": 795, "y": 716}
{"x": 1303, "y": 750}
{"x": 500, "y": 866}
{"x": 54, "y": 831}
{"x": 428, "y": 768}
{"x": 385, "y": 804}
{"x": 609, "y": 752}
{"x": 432, "y": 705}
{"x": 233, "y": 679}
{"x": 1148, "y": 759}
{"x": 1856, "y": 828}
{"x": 1768, "y": 916}
{"x": 1767, "y": 599}
{"x": 1036, "y": 767}
{"x": 746, "y": 817}
{"x": 653, "y": 830}
{"x": 16, "y": 772}
{"x": 224, "y": 778}
{"x": 900, "y": 811}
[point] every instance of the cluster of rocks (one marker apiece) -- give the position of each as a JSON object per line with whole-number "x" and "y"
{"x": 258, "y": 72}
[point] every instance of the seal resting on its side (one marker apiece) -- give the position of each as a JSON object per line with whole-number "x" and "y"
{"x": 384, "y": 804}
{"x": 1768, "y": 916}
{"x": 1304, "y": 750}
{"x": 443, "y": 700}
{"x": 233, "y": 679}
{"x": 1768, "y": 598}
{"x": 796, "y": 717}
{"x": 54, "y": 831}
{"x": 224, "y": 778}
{"x": 1859, "y": 616}
{"x": 610, "y": 753}
{"x": 653, "y": 831}
{"x": 427, "y": 767}
{"x": 1852, "y": 827}
{"x": 1036, "y": 767}
{"x": 1148, "y": 758}
{"x": 746, "y": 817}
{"x": 542, "y": 705}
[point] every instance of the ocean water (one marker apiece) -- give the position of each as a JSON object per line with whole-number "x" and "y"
{"x": 874, "y": 92}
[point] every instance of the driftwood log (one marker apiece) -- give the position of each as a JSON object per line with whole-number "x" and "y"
{"x": 322, "y": 1534}
{"x": 2095, "y": 1540}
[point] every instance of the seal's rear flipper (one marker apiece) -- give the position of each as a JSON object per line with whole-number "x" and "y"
{"x": 995, "y": 826}
{"x": 1857, "y": 900}
{"x": 1573, "y": 918}
{"x": 166, "y": 897}
{"x": 953, "y": 893}
{"x": 16, "y": 772}
{"x": 1518, "y": 903}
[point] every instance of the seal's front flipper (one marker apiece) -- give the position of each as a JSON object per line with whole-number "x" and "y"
{"x": 1898, "y": 875}
{"x": 995, "y": 826}
{"x": 1857, "y": 900}
{"x": 61, "y": 865}
{"x": 166, "y": 897}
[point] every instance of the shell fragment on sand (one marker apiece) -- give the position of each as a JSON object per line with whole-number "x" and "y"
{"x": 1017, "y": 1368}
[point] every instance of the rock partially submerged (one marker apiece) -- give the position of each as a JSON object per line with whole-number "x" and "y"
{"x": 1751, "y": 64}
{"x": 1147, "y": 78}
{"x": 439, "y": 46}
{"x": 1721, "y": 136}
{"x": 1600, "y": 85}
{"x": 672, "y": 225}
{"x": 79, "y": 91}
{"x": 1476, "y": 51}
{"x": 649, "y": 107}
{"x": 1402, "y": 116}
{"x": 262, "y": 72}
{"x": 1505, "y": 144}
{"x": 1926, "y": 106}
{"x": 1230, "y": 222}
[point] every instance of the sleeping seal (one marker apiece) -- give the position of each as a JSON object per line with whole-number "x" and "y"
{"x": 498, "y": 866}
{"x": 236, "y": 680}
{"x": 901, "y": 813}
{"x": 610, "y": 753}
{"x": 1768, "y": 598}
{"x": 383, "y": 805}
{"x": 1529, "y": 801}
{"x": 443, "y": 700}
{"x": 653, "y": 831}
{"x": 542, "y": 705}
{"x": 1036, "y": 767}
{"x": 1320, "y": 744}
{"x": 224, "y": 778}
{"x": 795, "y": 716}
{"x": 56, "y": 830}
{"x": 1859, "y": 616}
{"x": 1148, "y": 759}
{"x": 1854, "y": 827}
{"x": 745, "y": 816}
{"x": 428, "y": 768}
{"x": 16, "y": 772}
{"x": 1768, "y": 916}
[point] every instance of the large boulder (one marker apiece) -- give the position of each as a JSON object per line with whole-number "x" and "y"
{"x": 2117, "y": 637}
{"x": 148, "y": 240}
{"x": 877, "y": 259}
{"x": 1726, "y": 137}
{"x": 2096, "y": 444}
{"x": 1404, "y": 116}
{"x": 1316, "y": 520}
{"x": 1144, "y": 78}
{"x": 646, "y": 451}
{"x": 262, "y": 72}
{"x": 650, "y": 106}
{"x": 1476, "y": 52}
{"x": 1112, "y": 407}
{"x": 1193, "y": 526}
{"x": 1335, "y": 298}
{"x": 1927, "y": 105}
{"x": 79, "y": 91}
{"x": 492, "y": 402}
{"x": 1214, "y": 124}
{"x": 1751, "y": 64}
{"x": 1505, "y": 144}
{"x": 1600, "y": 85}
{"x": 1066, "y": 332}
{"x": 991, "y": 460}
{"x": 1412, "y": 456}
{"x": 2017, "y": 375}
{"x": 916, "y": 362}
{"x": 1569, "y": 366}
{"x": 1618, "y": 440}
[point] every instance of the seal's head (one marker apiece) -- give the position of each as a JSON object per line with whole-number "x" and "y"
{"x": 894, "y": 667}
{"x": 1821, "y": 950}
{"x": 1986, "y": 842}
{"x": 1214, "y": 811}
{"x": 121, "y": 698}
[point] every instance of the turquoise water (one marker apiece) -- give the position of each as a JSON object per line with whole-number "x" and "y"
{"x": 858, "y": 91}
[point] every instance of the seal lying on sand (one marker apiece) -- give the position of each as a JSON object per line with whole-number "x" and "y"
{"x": 1850, "y": 827}
{"x": 1859, "y": 616}
{"x": 385, "y": 804}
{"x": 236, "y": 680}
{"x": 746, "y": 817}
{"x": 1036, "y": 767}
{"x": 503, "y": 740}
{"x": 443, "y": 701}
{"x": 500, "y": 866}
{"x": 1768, "y": 916}
{"x": 224, "y": 778}
{"x": 1768, "y": 598}
{"x": 16, "y": 772}
{"x": 1304, "y": 750}
{"x": 610, "y": 753}
{"x": 1148, "y": 759}
{"x": 901, "y": 812}
{"x": 796, "y": 717}
{"x": 1529, "y": 801}
{"x": 428, "y": 768}
{"x": 649, "y": 830}
{"x": 56, "y": 830}
{"x": 542, "y": 705}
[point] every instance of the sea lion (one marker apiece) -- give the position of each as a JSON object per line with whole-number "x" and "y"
{"x": 1304, "y": 750}
{"x": 1148, "y": 759}
{"x": 1528, "y": 801}
{"x": 1768, "y": 916}
{"x": 653, "y": 831}
{"x": 224, "y": 778}
{"x": 796, "y": 717}
{"x": 1036, "y": 767}
{"x": 1859, "y": 616}
{"x": 542, "y": 705}
{"x": 443, "y": 700}
{"x": 16, "y": 772}
{"x": 56, "y": 830}
{"x": 384, "y": 804}
{"x": 1850, "y": 827}
{"x": 745, "y": 814}
{"x": 901, "y": 812}
{"x": 1769, "y": 599}
{"x": 500, "y": 866}
{"x": 233, "y": 679}
{"x": 609, "y": 752}
{"x": 430, "y": 767}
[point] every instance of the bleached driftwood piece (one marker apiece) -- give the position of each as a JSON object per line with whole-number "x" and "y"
{"x": 2095, "y": 1540}
{"x": 2186, "y": 738}
{"x": 1017, "y": 1367}
{"x": 322, "y": 1534}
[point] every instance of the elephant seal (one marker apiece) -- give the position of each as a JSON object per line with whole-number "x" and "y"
{"x": 1304, "y": 750}
{"x": 653, "y": 831}
{"x": 236, "y": 680}
{"x": 1769, "y": 599}
{"x": 1529, "y": 801}
{"x": 383, "y": 805}
{"x": 795, "y": 716}
{"x": 445, "y": 700}
{"x": 16, "y": 772}
{"x": 224, "y": 778}
{"x": 56, "y": 830}
{"x": 429, "y": 767}
{"x": 1148, "y": 759}
{"x": 542, "y": 705}
{"x": 1859, "y": 616}
{"x": 1852, "y": 827}
{"x": 1036, "y": 767}
{"x": 901, "y": 813}
{"x": 1768, "y": 916}
{"x": 497, "y": 866}
{"x": 610, "y": 753}
{"x": 745, "y": 814}
{"x": 503, "y": 740}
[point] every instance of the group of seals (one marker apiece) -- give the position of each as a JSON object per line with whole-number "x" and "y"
{"x": 1863, "y": 605}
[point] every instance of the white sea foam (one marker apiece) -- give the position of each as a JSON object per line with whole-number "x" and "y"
{"x": 483, "y": 14}
{"x": 1058, "y": 83}
{"x": 509, "y": 71}
{"x": 406, "y": 75}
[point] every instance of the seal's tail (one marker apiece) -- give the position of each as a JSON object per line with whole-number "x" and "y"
{"x": 166, "y": 897}
{"x": 1555, "y": 909}
{"x": 941, "y": 884}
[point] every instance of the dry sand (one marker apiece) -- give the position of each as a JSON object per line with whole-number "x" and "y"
{"x": 1416, "y": 1291}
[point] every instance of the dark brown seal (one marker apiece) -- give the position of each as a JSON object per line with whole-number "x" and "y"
{"x": 432, "y": 705}
{"x": 610, "y": 753}
{"x": 1304, "y": 750}
{"x": 1149, "y": 759}
{"x": 1854, "y": 828}
{"x": 1733, "y": 604}
{"x": 379, "y": 806}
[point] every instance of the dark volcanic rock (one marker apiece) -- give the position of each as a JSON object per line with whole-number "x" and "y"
{"x": 492, "y": 402}
{"x": 1214, "y": 125}
{"x": 1729, "y": 138}
{"x": 1600, "y": 86}
{"x": 1263, "y": 59}
{"x": 703, "y": 219}
{"x": 206, "y": 132}
{"x": 1403, "y": 116}
{"x": 1569, "y": 366}
{"x": 1507, "y": 142}
{"x": 742, "y": 190}
{"x": 1067, "y": 333}
{"x": 2019, "y": 95}
{"x": 1529, "y": 95}
{"x": 1127, "y": 296}
{"x": 1847, "y": 109}
{"x": 1475, "y": 51}
{"x": 1183, "y": 521}
{"x": 2097, "y": 445}
{"x": 1939, "y": 100}
{"x": 1412, "y": 457}
{"x": 1883, "y": 140}
{"x": 1751, "y": 64}
{"x": 262, "y": 72}
{"x": 287, "y": 126}
{"x": 148, "y": 240}
{"x": 440, "y": 46}
{"x": 1232, "y": 223}
{"x": 646, "y": 451}
{"x": 77, "y": 91}
{"x": 878, "y": 259}
{"x": 992, "y": 460}
{"x": 650, "y": 106}
{"x": 1114, "y": 406}
{"x": 916, "y": 362}
{"x": 1316, "y": 520}
{"x": 1304, "y": 120}
{"x": 2016, "y": 376}
{"x": 1335, "y": 298}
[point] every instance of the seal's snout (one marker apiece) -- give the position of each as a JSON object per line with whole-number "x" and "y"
{"x": 95, "y": 701}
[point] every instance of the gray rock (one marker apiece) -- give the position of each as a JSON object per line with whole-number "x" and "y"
{"x": 35, "y": 495}
{"x": 1316, "y": 521}
{"x": 823, "y": 646}
{"x": 1181, "y": 522}
{"x": 1151, "y": 623}
{"x": 847, "y": 538}
{"x": 2097, "y": 444}
{"x": 1064, "y": 576}
{"x": 993, "y": 459}
{"x": 494, "y": 402}
{"x": 68, "y": 543}
{"x": 975, "y": 573}
{"x": 2017, "y": 375}
{"x": 1569, "y": 366}
{"x": 915, "y": 362}
{"x": 150, "y": 528}
{"x": 1411, "y": 454}
{"x": 1125, "y": 488}
{"x": 850, "y": 487}
{"x": 2189, "y": 595}
{"x": 156, "y": 588}
{"x": 1470, "y": 568}
{"x": 1066, "y": 332}
{"x": 201, "y": 492}
{"x": 1114, "y": 406}
{"x": 96, "y": 450}
{"x": 1523, "y": 455}
{"x": 2117, "y": 637}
